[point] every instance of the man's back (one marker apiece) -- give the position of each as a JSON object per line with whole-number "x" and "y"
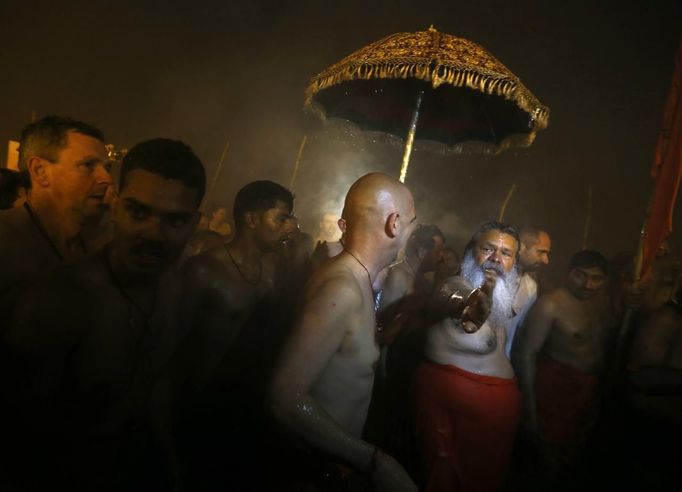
{"x": 344, "y": 387}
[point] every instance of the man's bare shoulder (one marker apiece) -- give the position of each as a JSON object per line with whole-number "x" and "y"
{"x": 555, "y": 298}
{"x": 398, "y": 274}
{"x": 335, "y": 279}
{"x": 206, "y": 268}
{"x": 549, "y": 306}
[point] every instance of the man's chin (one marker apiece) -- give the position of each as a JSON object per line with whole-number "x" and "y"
{"x": 148, "y": 265}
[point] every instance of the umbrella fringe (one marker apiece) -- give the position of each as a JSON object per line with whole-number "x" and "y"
{"x": 437, "y": 74}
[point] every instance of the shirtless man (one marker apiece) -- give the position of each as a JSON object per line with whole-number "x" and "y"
{"x": 229, "y": 309}
{"x": 325, "y": 249}
{"x": 323, "y": 381}
{"x": 423, "y": 253}
{"x": 90, "y": 341}
{"x": 67, "y": 165}
{"x": 467, "y": 401}
{"x": 225, "y": 284}
{"x": 560, "y": 352}
{"x": 448, "y": 266}
{"x": 404, "y": 292}
{"x": 329, "y": 231}
{"x": 654, "y": 397}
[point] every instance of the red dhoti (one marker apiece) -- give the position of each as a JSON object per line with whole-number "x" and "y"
{"x": 466, "y": 424}
{"x": 565, "y": 399}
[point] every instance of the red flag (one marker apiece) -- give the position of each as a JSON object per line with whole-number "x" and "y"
{"x": 666, "y": 171}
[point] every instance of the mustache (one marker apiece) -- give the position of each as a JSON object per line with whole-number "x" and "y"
{"x": 487, "y": 264}
{"x": 151, "y": 248}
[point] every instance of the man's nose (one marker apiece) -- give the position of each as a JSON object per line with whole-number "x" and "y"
{"x": 494, "y": 257}
{"x": 154, "y": 229}
{"x": 544, "y": 259}
{"x": 102, "y": 175}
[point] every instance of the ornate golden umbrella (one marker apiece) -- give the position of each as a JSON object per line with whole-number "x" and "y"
{"x": 463, "y": 98}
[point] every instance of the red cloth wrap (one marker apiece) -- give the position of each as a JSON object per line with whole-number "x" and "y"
{"x": 565, "y": 399}
{"x": 466, "y": 424}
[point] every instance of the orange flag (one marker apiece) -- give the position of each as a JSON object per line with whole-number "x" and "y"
{"x": 666, "y": 171}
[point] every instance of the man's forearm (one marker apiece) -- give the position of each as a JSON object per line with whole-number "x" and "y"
{"x": 309, "y": 421}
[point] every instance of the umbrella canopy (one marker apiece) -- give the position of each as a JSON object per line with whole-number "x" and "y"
{"x": 467, "y": 99}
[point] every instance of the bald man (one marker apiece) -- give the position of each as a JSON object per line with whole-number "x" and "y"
{"x": 323, "y": 381}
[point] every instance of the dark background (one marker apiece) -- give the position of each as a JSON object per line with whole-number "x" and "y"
{"x": 208, "y": 72}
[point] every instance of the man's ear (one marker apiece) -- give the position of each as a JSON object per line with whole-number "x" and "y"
{"x": 250, "y": 219}
{"x": 37, "y": 169}
{"x": 392, "y": 224}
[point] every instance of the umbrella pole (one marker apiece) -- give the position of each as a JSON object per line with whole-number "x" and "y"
{"x": 410, "y": 137}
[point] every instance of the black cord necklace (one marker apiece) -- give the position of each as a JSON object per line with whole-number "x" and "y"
{"x": 37, "y": 223}
{"x": 369, "y": 277}
{"x": 241, "y": 273}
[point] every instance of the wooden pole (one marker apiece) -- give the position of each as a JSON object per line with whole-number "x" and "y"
{"x": 503, "y": 208}
{"x": 294, "y": 174}
{"x": 410, "y": 138}
{"x": 588, "y": 217}
{"x": 216, "y": 175}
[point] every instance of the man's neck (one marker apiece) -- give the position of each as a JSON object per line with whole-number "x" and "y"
{"x": 368, "y": 254}
{"x": 123, "y": 276}
{"x": 61, "y": 226}
{"x": 245, "y": 249}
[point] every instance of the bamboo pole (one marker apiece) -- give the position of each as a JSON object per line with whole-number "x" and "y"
{"x": 216, "y": 175}
{"x": 294, "y": 174}
{"x": 588, "y": 217}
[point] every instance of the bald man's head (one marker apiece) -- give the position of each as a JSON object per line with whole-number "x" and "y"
{"x": 381, "y": 205}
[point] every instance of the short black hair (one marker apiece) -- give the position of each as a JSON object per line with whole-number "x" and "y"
{"x": 422, "y": 237}
{"x": 259, "y": 196}
{"x": 171, "y": 159}
{"x": 589, "y": 258}
{"x": 493, "y": 226}
{"x": 47, "y": 136}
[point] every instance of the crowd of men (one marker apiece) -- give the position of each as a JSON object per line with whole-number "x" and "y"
{"x": 140, "y": 351}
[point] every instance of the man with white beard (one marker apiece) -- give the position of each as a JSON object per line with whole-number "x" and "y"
{"x": 467, "y": 399}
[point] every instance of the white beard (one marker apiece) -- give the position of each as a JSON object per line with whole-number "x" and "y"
{"x": 505, "y": 288}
